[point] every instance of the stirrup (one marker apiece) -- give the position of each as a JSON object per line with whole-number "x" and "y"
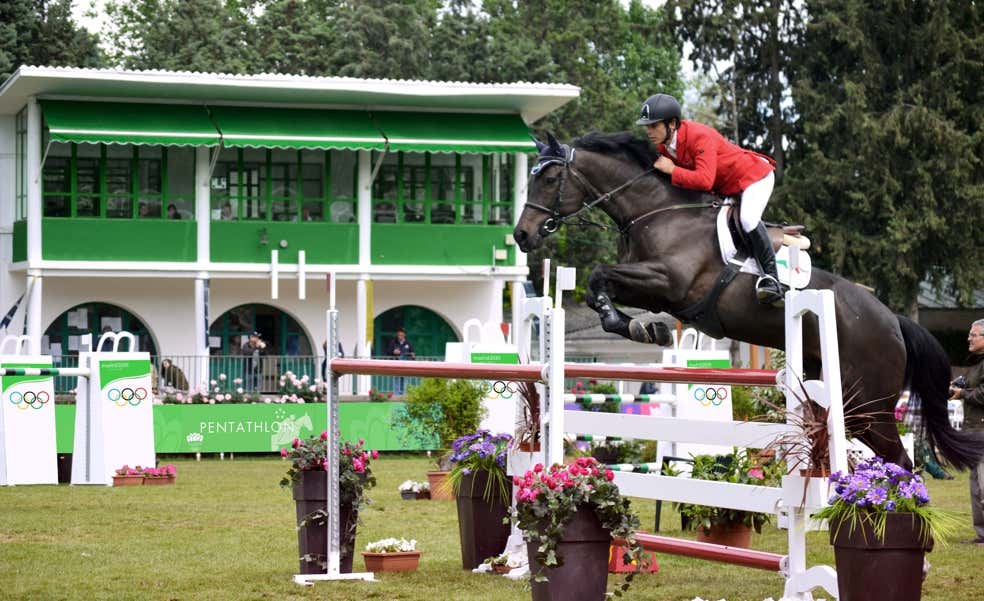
{"x": 767, "y": 295}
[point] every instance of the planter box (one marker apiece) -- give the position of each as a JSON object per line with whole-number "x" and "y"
{"x": 440, "y": 487}
{"x": 152, "y": 481}
{"x": 408, "y": 495}
{"x": 128, "y": 480}
{"x": 405, "y": 561}
{"x": 480, "y": 522}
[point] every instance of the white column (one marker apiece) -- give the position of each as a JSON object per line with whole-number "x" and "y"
{"x": 203, "y": 199}
{"x": 495, "y": 302}
{"x": 201, "y": 332}
{"x": 34, "y": 326}
{"x": 518, "y": 296}
{"x": 361, "y": 331}
{"x": 34, "y": 256}
{"x": 365, "y": 209}
{"x": 519, "y": 198}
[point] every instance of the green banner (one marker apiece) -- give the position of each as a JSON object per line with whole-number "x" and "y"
{"x": 707, "y": 364}
{"x": 501, "y": 358}
{"x": 247, "y": 428}
{"x": 111, "y": 371}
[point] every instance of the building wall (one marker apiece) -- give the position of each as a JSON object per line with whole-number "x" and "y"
{"x": 11, "y": 285}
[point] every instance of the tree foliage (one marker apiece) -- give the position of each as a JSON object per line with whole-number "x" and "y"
{"x": 41, "y": 32}
{"x": 888, "y": 170}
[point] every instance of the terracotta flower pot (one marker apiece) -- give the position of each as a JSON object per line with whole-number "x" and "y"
{"x": 310, "y": 494}
{"x": 731, "y": 535}
{"x": 584, "y": 549}
{"x": 136, "y": 480}
{"x": 440, "y": 487}
{"x": 402, "y": 561}
{"x": 424, "y": 495}
{"x": 872, "y": 569}
{"x": 156, "y": 481}
{"x": 480, "y": 522}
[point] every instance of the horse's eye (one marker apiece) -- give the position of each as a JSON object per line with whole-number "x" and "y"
{"x": 550, "y": 180}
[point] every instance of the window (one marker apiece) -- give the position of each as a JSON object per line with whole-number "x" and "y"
{"x": 118, "y": 181}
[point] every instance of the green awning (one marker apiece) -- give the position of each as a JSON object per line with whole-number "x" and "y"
{"x": 129, "y": 123}
{"x": 268, "y": 127}
{"x": 454, "y": 132}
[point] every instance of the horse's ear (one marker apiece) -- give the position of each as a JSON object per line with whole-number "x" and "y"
{"x": 554, "y": 145}
{"x": 539, "y": 145}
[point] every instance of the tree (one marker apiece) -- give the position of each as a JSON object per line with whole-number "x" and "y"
{"x": 382, "y": 39}
{"x": 41, "y": 32}
{"x": 888, "y": 174}
{"x": 747, "y": 45}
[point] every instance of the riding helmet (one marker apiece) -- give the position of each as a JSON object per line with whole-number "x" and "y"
{"x": 659, "y": 107}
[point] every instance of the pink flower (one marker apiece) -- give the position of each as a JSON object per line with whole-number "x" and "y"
{"x": 757, "y": 473}
{"x": 324, "y": 435}
{"x": 375, "y": 454}
{"x": 358, "y": 466}
{"x": 609, "y": 475}
{"x": 284, "y": 452}
{"x": 297, "y": 442}
{"x": 361, "y": 442}
{"x": 538, "y": 468}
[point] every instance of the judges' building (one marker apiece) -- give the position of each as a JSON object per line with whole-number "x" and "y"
{"x": 193, "y": 209}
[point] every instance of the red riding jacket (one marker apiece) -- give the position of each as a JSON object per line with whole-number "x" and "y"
{"x": 707, "y": 162}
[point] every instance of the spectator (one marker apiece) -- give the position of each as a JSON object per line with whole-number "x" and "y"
{"x": 251, "y": 350}
{"x": 172, "y": 376}
{"x": 172, "y": 212}
{"x": 970, "y": 390}
{"x": 105, "y": 344}
{"x": 402, "y": 350}
{"x": 324, "y": 362}
{"x": 226, "y": 211}
{"x": 647, "y": 388}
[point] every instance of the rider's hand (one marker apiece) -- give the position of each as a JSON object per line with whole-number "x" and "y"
{"x": 664, "y": 164}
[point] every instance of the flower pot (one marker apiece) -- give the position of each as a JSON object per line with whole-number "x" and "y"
{"x": 65, "y": 468}
{"x": 424, "y": 495}
{"x": 583, "y": 549}
{"x": 480, "y": 522}
{"x": 869, "y": 569}
{"x": 408, "y": 495}
{"x": 529, "y": 447}
{"x": 156, "y": 481}
{"x": 440, "y": 487}
{"x": 136, "y": 480}
{"x": 311, "y": 494}
{"x": 501, "y": 569}
{"x": 401, "y": 561}
{"x": 731, "y": 535}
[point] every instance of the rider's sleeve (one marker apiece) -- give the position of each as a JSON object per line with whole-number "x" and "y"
{"x": 702, "y": 176}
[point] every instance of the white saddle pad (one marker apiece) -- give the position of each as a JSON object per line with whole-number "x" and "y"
{"x": 800, "y": 279}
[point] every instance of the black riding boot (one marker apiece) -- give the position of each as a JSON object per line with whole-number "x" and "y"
{"x": 767, "y": 288}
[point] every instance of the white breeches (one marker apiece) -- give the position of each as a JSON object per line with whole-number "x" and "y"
{"x": 753, "y": 201}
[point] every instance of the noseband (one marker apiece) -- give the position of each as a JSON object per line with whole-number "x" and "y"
{"x": 565, "y": 158}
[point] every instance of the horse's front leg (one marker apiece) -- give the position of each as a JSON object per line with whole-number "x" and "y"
{"x": 607, "y": 283}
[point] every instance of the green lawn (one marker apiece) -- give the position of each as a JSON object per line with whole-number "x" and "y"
{"x": 226, "y": 531}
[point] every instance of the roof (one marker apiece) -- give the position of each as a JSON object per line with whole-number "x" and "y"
{"x": 529, "y": 100}
{"x": 942, "y": 298}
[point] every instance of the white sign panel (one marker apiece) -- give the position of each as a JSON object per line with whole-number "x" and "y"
{"x": 27, "y": 424}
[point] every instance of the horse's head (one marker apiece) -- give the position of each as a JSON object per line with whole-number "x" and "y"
{"x": 550, "y": 196}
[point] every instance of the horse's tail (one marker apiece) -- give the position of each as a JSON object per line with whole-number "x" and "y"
{"x": 927, "y": 373}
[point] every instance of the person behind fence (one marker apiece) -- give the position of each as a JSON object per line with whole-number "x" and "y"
{"x": 171, "y": 376}
{"x": 251, "y": 350}
{"x": 969, "y": 388}
{"x": 402, "y": 350}
{"x": 324, "y": 362}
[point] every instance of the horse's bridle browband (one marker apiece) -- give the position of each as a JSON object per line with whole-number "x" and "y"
{"x": 566, "y": 159}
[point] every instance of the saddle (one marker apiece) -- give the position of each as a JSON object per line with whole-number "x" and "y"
{"x": 703, "y": 314}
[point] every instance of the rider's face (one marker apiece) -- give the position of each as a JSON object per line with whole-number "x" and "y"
{"x": 656, "y": 132}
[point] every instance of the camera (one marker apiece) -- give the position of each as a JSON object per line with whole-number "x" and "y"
{"x": 960, "y": 382}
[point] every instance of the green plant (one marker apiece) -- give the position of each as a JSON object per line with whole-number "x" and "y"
{"x": 737, "y": 468}
{"x": 875, "y": 489}
{"x": 547, "y": 499}
{"x": 354, "y": 470}
{"x": 439, "y": 408}
{"x": 481, "y": 451}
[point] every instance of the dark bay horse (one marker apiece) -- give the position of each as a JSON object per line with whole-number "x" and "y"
{"x": 670, "y": 258}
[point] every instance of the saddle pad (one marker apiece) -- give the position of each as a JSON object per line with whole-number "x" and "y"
{"x": 800, "y": 279}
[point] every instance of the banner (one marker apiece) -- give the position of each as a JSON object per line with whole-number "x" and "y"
{"x": 27, "y": 425}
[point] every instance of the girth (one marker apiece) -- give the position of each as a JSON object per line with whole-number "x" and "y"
{"x": 703, "y": 313}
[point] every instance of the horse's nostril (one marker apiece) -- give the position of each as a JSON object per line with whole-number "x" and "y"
{"x": 520, "y": 236}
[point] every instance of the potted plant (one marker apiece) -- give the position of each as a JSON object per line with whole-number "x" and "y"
{"x": 481, "y": 489}
{"x": 391, "y": 555}
{"x": 128, "y": 476}
{"x": 501, "y": 564}
{"x": 719, "y": 525}
{"x": 436, "y": 412}
{"x": 528, "y": 427}
{"x": 568, "y": 515}
{"x": 159, "y": 476}
{"x": 307, "y": 477}
{"x": 410, "y": 490}
{"x": 881, "y": 526}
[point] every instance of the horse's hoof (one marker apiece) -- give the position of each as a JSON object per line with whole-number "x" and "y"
{"x": 653, "y": 332}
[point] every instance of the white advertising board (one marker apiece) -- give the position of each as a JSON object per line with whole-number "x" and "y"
{"x": 27, "y": 424}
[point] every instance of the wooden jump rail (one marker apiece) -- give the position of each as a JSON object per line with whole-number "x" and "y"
{"x": 749, "y": 558}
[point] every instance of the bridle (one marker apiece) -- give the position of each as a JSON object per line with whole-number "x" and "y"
{"x": 565, "y": 158}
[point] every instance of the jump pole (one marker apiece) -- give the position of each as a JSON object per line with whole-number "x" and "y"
{"x": 749, "y": 558}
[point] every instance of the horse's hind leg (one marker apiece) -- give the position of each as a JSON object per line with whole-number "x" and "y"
{"x": 617, "y": 322}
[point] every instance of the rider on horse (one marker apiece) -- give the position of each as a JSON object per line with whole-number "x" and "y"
{"x": 697, "y": 157}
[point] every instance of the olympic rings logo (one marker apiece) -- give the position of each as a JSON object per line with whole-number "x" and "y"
{"x": 499, "y": 389}
{"x": 710, "y": 395}
{"x": 33, "y": 400}
{"x": 127, "y": 396}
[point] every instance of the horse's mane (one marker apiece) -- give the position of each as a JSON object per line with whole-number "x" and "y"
{"x": 622, "y": 144}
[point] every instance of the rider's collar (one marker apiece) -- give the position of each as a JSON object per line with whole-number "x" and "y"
{"x": 671, "y": 146}
{"x": 566, "y": 157}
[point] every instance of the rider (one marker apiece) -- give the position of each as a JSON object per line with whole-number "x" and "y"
{"x": 697, "y": 157}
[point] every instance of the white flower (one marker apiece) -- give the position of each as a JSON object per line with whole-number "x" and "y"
{"x": 267, "y": 400}
{"x": 180, "y": 397}
{"x": 211, "y": 401}
{"x": 212, "y": 383}
{"x": 313, "y": 388}
{"x": 216, "y": 389}
{"x": 222, "y": 377}
{"x": 237, "y": 381}
{"x": 239, "y": 390}
{"x": 228, "y": 397}
{"x": 392, "y": 545}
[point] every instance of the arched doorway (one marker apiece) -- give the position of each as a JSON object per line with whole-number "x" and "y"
{"x": 426, "y": 330}
{"x": 62, "y": 337}
{"x": 288, "y": 347}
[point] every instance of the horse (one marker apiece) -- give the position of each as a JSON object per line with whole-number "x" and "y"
{"x": 670, "y": 260}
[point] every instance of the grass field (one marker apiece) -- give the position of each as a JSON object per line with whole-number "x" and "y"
{"x": 225, "y": 531}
